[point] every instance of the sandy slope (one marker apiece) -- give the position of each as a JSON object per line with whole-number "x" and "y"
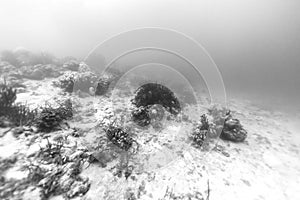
{"x": 265, "y": 166}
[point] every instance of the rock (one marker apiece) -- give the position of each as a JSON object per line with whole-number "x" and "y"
{"x": 37, "y": 74}
{"x": 141, "y": 116}
{"x": 84, "y": 67}
{"x": 74, "y": 81}
{"x": 233, "y": 130}
{"x": 102, "y": 86}
{"x": 78, "y": 188}
{"x": 102, "y": 157}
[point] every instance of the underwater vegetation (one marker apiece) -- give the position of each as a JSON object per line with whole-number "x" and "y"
{"x": 50, "y": 118}
{"x": 16, "y": 113}
{"x": 61, "y": 152}
{"x": 23, "y": 57}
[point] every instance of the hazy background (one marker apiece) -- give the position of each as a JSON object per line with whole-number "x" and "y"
{"x": 255, "y": 43}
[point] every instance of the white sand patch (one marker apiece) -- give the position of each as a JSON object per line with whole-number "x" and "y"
{"x": 8, "y": 145}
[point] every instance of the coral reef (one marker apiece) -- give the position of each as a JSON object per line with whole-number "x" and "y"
{"x": 75, "y": 81}
{"x": 72, "y": 65}
{"x": 150, "y": 101}
{"x": 141, "y": 116}
{"x": 56, "y": 172}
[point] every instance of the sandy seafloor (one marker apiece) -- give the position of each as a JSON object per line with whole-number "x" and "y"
{"x": 265, "y": 166}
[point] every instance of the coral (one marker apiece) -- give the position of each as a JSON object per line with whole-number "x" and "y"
{"x": 66, "y": 82}
{"x": 52, "y": 153}
{"x": 10, "y": 57}
{"x": 23, "y": 57}
{"x": 56, "y": 173}
{"x": 50, "y": 118}
{"x": 141, "y": 116}
{"x": 7, "y": 96}
{"x": 72, "y": 65}
{"x": 119, "y": 137}
{"x": 154, "y": 93}
{"x": 74, "y": 81}
{"x": 40, "y": 71}
{"x": 233, "y": 130}
{"x": 102, "y": 86}
{"x": 18, "y": 114}
{"x": 199, "y": 134}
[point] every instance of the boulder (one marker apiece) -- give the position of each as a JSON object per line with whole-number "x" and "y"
{"x": 233, "y": 130}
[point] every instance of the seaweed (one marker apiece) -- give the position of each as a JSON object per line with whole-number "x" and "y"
{"x": 66, "y": 82}
{"x": 17, "y": 114}
{"x": 50, "y": 118}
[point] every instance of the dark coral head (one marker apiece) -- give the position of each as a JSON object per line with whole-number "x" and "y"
{"x": 154, "y": 93}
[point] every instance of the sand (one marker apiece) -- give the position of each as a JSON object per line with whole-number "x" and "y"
{"x": 265, "y": 166}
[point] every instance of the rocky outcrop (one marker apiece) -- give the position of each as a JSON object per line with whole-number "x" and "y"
{"x": 233, "y": 130}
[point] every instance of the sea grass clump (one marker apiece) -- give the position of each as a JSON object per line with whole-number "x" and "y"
{"x": 102, "y": 86}
{"x": 71, "y": 65}
{"x": 17, "y": 114}
{"x": 50, "y": 119}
